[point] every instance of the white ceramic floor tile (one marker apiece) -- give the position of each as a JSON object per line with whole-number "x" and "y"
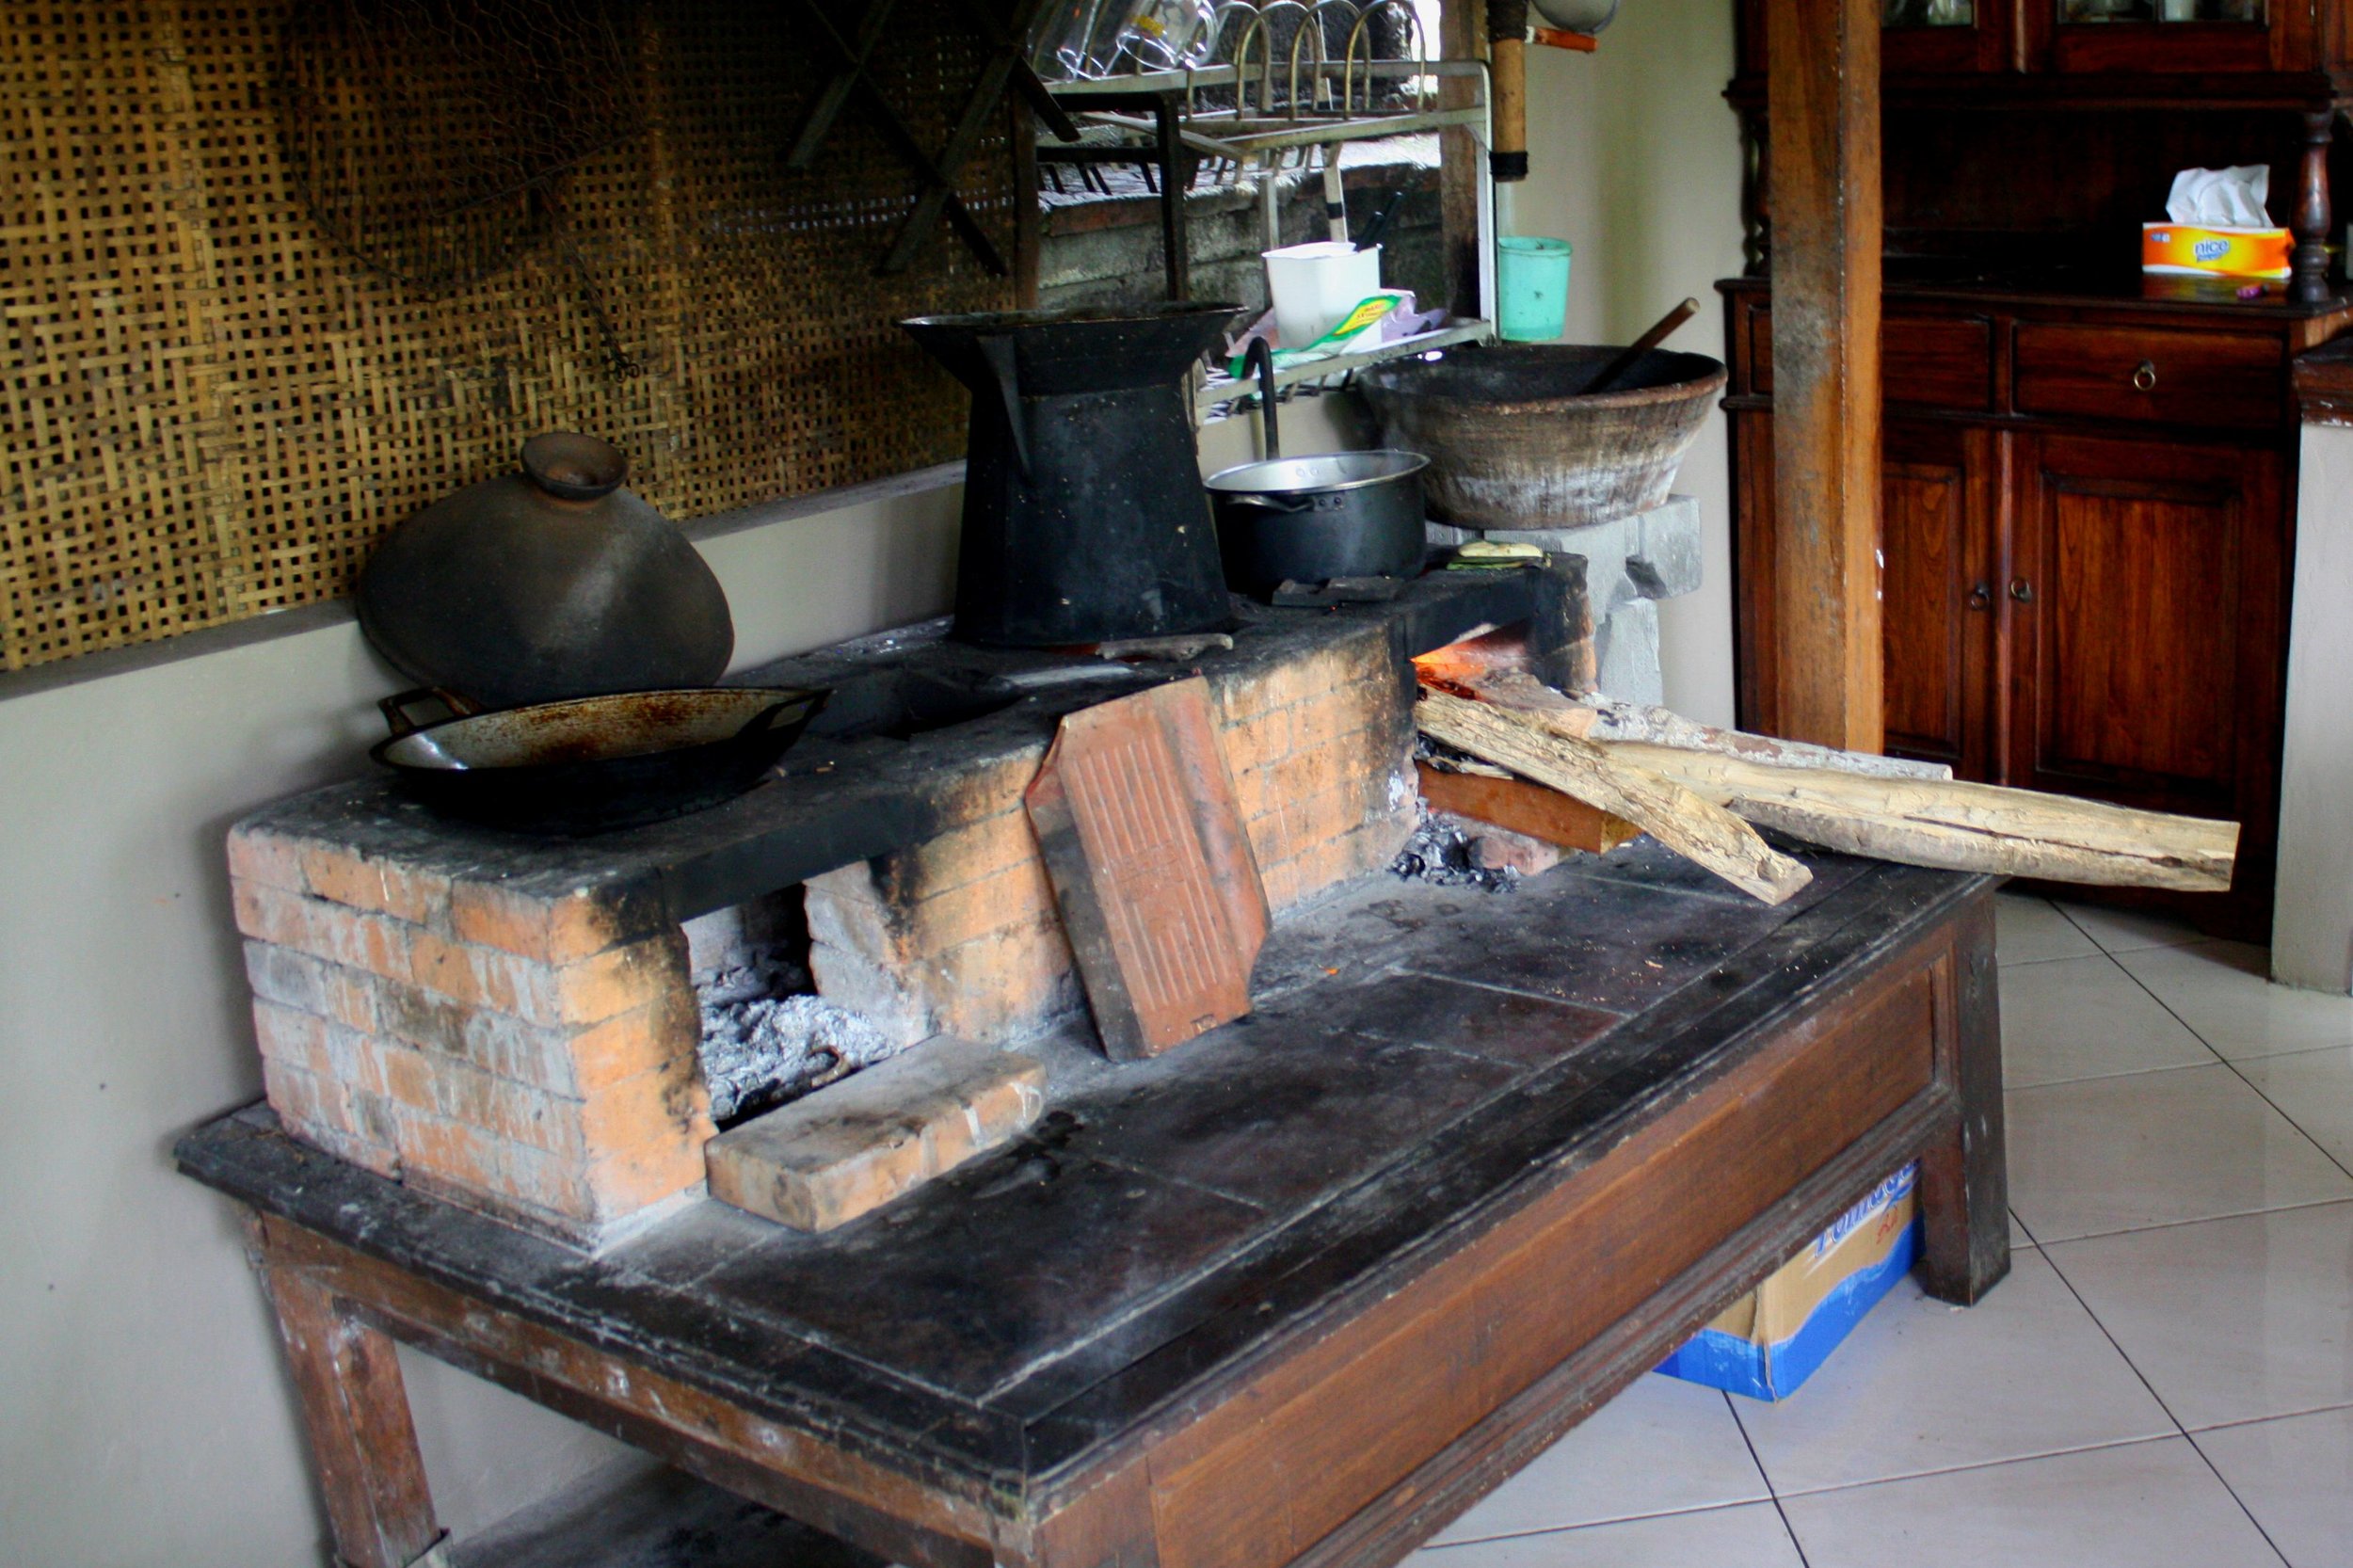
{"x": 2112, "y": 1154}
{"x": 1662, "y": 1446}
{"x": 2140, "y": 1506}
{"x": 2018, "y": 1234}
{"x": 2296, "y": 1477}
{"x": 2084, "y": 1017}
{"x": 2124, "y": 931}
{"x": 1921, "y": 1386}
{"x": 1752, "y": 1536}
{"x": 2314, "y": 1090}
{"x": 2224, "y": 992}
{"x": 2029, "y": 931}
{"x": 2233, "y": 1319}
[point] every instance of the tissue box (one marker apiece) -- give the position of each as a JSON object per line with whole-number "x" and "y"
{"x": 1771, "y": 1339}
{"x": 2187, "y": 249}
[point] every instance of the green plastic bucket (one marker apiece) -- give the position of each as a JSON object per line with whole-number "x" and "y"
{"x": 1533, "y": 283}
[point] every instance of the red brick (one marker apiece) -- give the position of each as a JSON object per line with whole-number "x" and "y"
{"x": 621, "y": 1184}
{"x": 365, "y": 1153}
{"x": 1258, "y": 742}
{"x": 359, "y": 940}
{"x": 957, "y": 859}
{"x": 669, "y": 1103}
{"x": 298, "y": 980}
{"x": 265, "y": 858}
{"x": 855, "y": 925}
{"x": 1269, "y": 843}
{"x": 852, "y": 1147}
{"x": 663, "y": 1033}
{"x": 291, "y": 1038}
{"x": 1003, "y": 985}
{"x": 379, "y": 887}
{"x": 882, "y": 996}
{"x": 556, "y": 931}
{"x": 498, "y": 1043}
{"x": 506, "y": 1177}
{"x": 591, "y": 990}
{"x": 588, "y": 991}
{"x": 271, "y": 914}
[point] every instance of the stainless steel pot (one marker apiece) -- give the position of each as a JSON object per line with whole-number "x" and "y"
{"x": 1310, "y": 519}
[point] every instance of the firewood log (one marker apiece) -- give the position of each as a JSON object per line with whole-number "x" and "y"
{"x": 1703, "y": 833}
{"x": 1923, "y": 821}
{"x": 1956, "y": 825}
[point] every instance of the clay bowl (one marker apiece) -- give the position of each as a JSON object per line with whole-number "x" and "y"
{"x": 1515, "y": 443}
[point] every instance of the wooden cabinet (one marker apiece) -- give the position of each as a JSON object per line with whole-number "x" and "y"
{"x": 1938, "y": 505}
{"x": 2073, "y": 38}
{"x": 2084, "y": 575}
{"x": 2148, "y": 624}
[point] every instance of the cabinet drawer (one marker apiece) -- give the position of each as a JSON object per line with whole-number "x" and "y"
{"x": 2174, "y": 378}
{"x": 1936, "y": 361}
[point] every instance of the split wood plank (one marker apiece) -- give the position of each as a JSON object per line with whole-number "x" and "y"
{"x": 1693, "y": 827}
{"x": 1851, "y": 803}
{"x": 1593, "y": 718}
{"x": 1499, "y": 800}
{"x": 1955, "y": 825}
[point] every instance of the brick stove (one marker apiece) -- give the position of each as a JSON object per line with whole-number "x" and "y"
{"x": 512, "y": 1023}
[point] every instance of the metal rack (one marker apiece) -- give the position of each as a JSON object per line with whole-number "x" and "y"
{"x": 1158, "y": 119}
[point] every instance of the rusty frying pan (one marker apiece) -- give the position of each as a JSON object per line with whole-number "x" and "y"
{"x": 597, "y": 763}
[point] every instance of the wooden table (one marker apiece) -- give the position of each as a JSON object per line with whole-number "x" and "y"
{"x": 1300, "y": 1291}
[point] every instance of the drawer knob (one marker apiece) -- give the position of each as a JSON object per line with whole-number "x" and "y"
{"x": 2145, "y": 376}
{"x": 2022, "y": 590}
{"x": 1982, "y": 597}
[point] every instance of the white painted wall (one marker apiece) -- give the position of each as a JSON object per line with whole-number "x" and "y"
{"x": 1635, "y": 159}
{"x": 2312, "y": 926}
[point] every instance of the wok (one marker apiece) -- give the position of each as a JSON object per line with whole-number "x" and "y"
{"x": 593, "y": 764}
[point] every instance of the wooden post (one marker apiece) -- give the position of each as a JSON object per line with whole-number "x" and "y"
{"x": 362, "y": 1443}
{"x": 2314, "y": 219}
{"x": 1964, "y": 1176}
{"x": 1823, "y": 166}
{"x": 1462, "y": 36}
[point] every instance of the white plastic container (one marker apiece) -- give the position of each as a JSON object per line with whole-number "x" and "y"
{"x": 1314, "y": 285}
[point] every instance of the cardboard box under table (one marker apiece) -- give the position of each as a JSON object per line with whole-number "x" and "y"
{"x": 1769, "y": 1341}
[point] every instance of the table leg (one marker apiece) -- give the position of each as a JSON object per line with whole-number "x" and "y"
{"x": 363, "y": 1440}
{"x": 1965, "y": 1178}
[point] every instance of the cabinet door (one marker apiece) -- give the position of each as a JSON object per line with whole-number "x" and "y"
{"x": 2148, "y": 613}
{"x": 1917, "y": 36}
{"x": 1940, "y": 487}
{"x": 2170, "y": 36}
{"x": 1921, "y": 36}
{"x": 1936, "y": 594}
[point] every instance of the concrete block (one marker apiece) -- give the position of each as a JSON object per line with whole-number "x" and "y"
{"x": 852, "y": 1146}
{"x": 1628, "y": 648}
{"x": 1663, "y": 556}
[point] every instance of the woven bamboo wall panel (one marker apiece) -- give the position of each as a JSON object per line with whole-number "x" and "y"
{"x": 211, "y": 408}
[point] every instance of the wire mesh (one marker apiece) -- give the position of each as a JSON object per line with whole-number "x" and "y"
{"x": 211, "y": 407}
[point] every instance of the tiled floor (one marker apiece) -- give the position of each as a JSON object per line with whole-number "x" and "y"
{"x": 2165, "y": 1378}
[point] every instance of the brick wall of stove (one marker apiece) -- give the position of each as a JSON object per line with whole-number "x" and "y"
{"x": 520, "y": 1057}
{"x": 959, "y": 935}
{"x": 506, "y": 1054}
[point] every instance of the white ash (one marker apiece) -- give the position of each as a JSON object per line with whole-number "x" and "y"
{"x": 766, "y": 1039}
{"x": 1441, "y": 852}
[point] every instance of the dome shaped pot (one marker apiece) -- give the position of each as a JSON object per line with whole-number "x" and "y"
{"x": 551, "y": 583}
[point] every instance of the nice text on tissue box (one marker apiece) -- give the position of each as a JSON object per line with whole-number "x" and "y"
{"x": 2222, "y": 253}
